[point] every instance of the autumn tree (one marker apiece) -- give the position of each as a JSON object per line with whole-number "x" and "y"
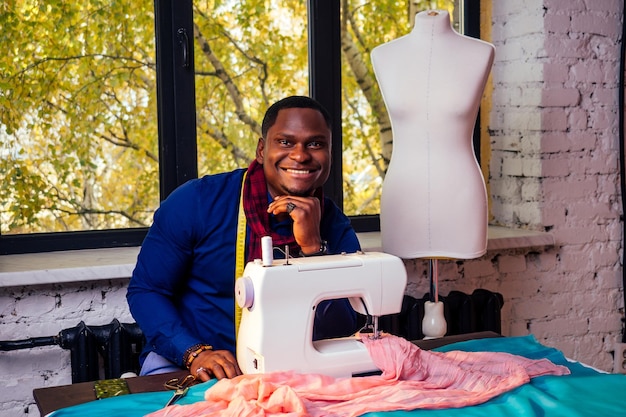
{"x": 78, "y": 101}
{"x": 78, "y": 121}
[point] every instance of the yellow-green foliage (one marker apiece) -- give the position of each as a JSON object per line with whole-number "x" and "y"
{"x": 78, "y": 125}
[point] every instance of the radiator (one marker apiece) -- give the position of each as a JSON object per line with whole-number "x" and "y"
{"x": 464, "y": 313}
{"x": 96, "y": 352}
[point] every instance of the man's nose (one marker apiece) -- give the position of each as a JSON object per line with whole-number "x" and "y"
{"x": 300, "y": 153}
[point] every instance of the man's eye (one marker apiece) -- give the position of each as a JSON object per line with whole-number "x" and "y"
{"x": 315, "y": 145}
{"x": 283, "y": 142}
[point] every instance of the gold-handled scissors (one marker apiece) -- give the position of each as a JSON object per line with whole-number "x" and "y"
{"x": 180, "y": 387}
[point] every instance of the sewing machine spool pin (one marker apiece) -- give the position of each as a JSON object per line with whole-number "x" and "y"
{"x": 267, "y": 250}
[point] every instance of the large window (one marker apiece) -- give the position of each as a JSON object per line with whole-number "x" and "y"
{"x": 78, "y": 124}
{"x": 107, "y": 106}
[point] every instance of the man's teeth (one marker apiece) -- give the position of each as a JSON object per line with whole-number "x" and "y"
{"x": 298, "y": 171}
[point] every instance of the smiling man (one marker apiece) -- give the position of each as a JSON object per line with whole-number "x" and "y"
{"x": 295, "y": 154}
{"x": 182, "y": 290}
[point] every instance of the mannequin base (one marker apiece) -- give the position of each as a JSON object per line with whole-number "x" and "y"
{"x": 434, "y": 323}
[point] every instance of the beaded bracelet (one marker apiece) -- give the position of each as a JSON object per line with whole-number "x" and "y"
{"x": 193, "y": 352}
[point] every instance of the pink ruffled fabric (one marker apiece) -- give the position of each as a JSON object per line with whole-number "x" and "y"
{"x": 412, "y": 378}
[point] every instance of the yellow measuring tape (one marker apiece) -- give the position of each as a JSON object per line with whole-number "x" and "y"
{"x": 240, "y": 249}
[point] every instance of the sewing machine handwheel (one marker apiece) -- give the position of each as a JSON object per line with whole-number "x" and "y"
{"x": 244, "y": 292}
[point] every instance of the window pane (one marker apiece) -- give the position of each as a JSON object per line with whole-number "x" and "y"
{"x": 248, "y": 54}
{"x": 78, "y": 127}
{"x": 366, "y": 126}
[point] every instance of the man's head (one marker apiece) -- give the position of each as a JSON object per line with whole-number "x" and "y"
{"x": 300, "y": 102}
{"x": 295, "y": 147}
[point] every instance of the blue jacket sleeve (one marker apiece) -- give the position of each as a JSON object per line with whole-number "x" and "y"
{"x": 159, "y": 274}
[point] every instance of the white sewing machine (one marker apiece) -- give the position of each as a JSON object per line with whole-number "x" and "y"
{"x": 278, "y": 307}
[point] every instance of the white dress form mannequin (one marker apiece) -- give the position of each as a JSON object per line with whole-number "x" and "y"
{"x": 434, "y": 201}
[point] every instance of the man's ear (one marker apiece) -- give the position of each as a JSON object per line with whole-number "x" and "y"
{"x": 260, "y": 146}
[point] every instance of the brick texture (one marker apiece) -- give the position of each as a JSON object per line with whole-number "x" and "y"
{"x": 44, "y": 310}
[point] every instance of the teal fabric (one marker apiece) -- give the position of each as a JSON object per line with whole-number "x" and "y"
{"x": 585, "y": 392}
{"x": 133, "y": 404}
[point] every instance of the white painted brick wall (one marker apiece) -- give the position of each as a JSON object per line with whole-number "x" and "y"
{"x": 564, "y": 179}
{"x": 44, "y": 310}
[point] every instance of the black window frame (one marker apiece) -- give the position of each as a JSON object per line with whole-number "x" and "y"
{"x": 177, "y": 123}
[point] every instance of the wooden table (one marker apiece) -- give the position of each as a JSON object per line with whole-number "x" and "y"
{"x": 54, "y": 398}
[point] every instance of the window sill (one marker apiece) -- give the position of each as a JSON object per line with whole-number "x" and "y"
{"x": 67, "y": 266}
{"x": 115, "y": 263}
{"x": 498, "y": 238}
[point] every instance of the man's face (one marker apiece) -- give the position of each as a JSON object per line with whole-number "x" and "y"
{"x": 296, "y": 152}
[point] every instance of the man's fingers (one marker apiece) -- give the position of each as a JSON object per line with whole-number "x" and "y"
{"x": 220, "y": 364}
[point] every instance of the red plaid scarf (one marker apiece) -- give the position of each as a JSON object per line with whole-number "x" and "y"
{"x": 255, "y": 206}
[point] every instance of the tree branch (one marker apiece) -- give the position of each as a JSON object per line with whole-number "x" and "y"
{"x": 42, "y": 61}
{"x": 224, "y": 76}
{"x": 368, "y": 85}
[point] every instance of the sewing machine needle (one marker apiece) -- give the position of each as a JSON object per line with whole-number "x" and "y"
{"x": 376, "y": 330}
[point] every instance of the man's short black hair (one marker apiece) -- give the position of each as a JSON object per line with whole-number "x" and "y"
{"x": 297, "y": 102}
